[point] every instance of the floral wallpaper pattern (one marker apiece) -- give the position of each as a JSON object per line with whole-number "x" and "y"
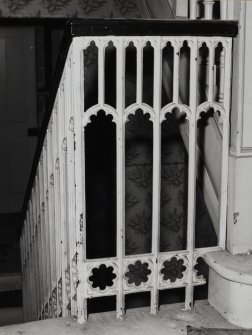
{"x": 74, "y": 8}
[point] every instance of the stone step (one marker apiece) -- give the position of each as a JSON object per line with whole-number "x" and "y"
{"x": 171, "y": 319}
{"x": 10, "y": 316}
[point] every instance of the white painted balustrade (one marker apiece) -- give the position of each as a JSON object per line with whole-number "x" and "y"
{"x": 56, "y": 272}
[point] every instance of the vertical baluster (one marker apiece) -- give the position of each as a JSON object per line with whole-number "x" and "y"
{"x": 42, "y": 230}
{"x": 40, "y": 270}
{"x": 50, "y": 208}
{"x": 47, "y": 233}
{"x": 222, "y": 78}
{"x": 28, "y": 266}
{"x": 53, "y": 205}
{"x": 208, "y": 9}
{"x": 101, "y": 73}
{"x": 31, "y": 269}
{"x": 63, "y": 190}
{"x": 156, "y": 170}
{"x": 193, "y": 9}
{"x": 34, "y": 252}
{"x": 139, "y": 88}
{"x": 78, "y": 109}
{"x": 36, "y": 249}
{"x": 69, "y": 129}
{"x": 61, "y": 200}
{"x": 191, "y": 170}
{"x": 30, "y": 292}
{"x": 26, "y": 271}
{"x": 176, "y": 45}
{"x": 57, "y": 203}
{"x": 223, "y": 9}
{"x": 225, "y": 143}
{"x": 211, "y": 49}
{"x": 22, "y": 248}
{"x": 120, "y": 156}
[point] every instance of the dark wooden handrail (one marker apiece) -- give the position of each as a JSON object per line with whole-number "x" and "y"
{"x": 123, "y": 27}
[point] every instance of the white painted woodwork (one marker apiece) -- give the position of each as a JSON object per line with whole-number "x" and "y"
{"x": 55, "y": 269}
{"x": 193, "y": 9}
{"x": 120, "y": 163}
{"x": 156, "y": 179}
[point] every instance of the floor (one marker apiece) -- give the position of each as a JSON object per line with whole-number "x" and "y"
{"x": 171, "y": 320}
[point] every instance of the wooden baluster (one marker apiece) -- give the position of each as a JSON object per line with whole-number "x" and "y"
{"x": 62, "y": 167}
{"x": 43, "y": 232}
{"x": 193, "y": 44}
{"x": 156, "y": 171}
{"x": 53, "y": 202}
{"x": 223, "y": 9}
{"x": 50, "y": 207}
{"x": 101, "y": 73}
{"x": 208, "y": 9}
{"x": 22, "y": 248}
{"x": 176, "y": 60}
{"x": 40, "y": 267}
{"x": 26, "y": 271}
{"x": 31, "y": 267}
{"x": 210, "y": 61}
{"x": 193, "y": 9}
{"x": 222, "y": 74}
{"x": 79, "y": 159}
{"x": 120, "y": 155}
{"x": 47, "y": 233}
{"x": 34, "y": 247}
{"x": 139, "y": 93}
{"x": 225, "y": 143}
{"x": 69, "y": 131}
{"x": 56, "y": 149}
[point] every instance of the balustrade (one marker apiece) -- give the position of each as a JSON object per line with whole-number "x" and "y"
{"x": 58, "y": 278}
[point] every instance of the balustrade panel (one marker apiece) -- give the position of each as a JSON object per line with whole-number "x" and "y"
{"x": 86, "y": 172}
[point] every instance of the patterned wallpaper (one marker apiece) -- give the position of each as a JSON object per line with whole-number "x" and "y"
{"x": 74, "y": 8}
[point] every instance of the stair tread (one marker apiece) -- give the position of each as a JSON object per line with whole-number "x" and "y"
{"x": 171, "y": 319}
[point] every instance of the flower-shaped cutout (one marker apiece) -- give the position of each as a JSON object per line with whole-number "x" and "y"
{"x": 138, "y": 273}
{"x": 173, "y": 269}
{"x": 102, "y": 277}
{"x": 201, "y": 268}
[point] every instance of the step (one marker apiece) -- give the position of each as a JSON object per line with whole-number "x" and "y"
{"x": 10, "y": 316}
{"x": 10, "y": 282}
{"x": 171, "y": 319}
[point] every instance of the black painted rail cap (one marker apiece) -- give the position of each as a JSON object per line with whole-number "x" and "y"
{"x": 149, "y": 27}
